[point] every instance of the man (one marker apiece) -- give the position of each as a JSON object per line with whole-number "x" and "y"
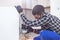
{"x": 19, "y": 10}
{"x": 45, "y": 20}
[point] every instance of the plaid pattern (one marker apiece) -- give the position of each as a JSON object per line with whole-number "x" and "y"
{"x": 47, "y": 21}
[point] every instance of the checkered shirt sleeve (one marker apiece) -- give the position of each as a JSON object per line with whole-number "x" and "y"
{"x": 38, "y": 22}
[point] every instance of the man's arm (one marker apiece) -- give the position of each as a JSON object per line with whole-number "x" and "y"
{"x": 39, "y": 22}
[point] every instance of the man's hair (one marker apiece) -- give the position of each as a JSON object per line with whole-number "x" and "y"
{"x": 38, "y": 9}
{"x": 19, "y": 8}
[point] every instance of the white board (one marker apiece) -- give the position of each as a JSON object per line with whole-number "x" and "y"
{"x": 9, "y": 23}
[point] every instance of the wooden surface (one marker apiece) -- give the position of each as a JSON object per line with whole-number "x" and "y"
{"x": 28, "y": 36}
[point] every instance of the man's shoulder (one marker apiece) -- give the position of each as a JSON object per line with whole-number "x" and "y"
{"x": 47, "y": 14}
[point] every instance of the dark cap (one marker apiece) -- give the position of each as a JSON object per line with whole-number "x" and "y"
{"x": 19, "y": 8}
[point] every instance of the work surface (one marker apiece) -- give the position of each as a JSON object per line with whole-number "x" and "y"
{"x": 28, "y": 36}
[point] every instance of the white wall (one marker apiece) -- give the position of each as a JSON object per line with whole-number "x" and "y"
{"x": 9, "y": 23}
{"x": 55, "y": 7}
{"x": 10, "y": 2}
{"x": 45, "y": 3}
{"x": 31, "y": 3}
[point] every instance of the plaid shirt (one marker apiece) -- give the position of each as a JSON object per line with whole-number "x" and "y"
{"x": 47, "y": 21}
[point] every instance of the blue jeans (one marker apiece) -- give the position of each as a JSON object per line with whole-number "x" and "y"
{"x": 47, "y": 35}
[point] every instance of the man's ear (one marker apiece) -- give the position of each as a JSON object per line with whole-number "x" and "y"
{"x": 19, "y": 8}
